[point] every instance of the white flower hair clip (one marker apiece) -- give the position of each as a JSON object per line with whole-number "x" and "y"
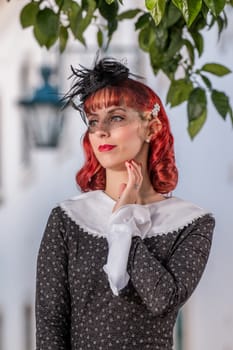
{"x": 155, "y": 110}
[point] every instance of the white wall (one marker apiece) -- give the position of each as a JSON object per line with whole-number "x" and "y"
{"x": 206, "y": 178}
{"x": 29, "y": 194}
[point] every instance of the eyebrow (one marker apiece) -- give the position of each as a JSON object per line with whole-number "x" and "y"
{"x": 109, "y": 112}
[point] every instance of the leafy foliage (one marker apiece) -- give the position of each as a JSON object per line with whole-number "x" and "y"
{"x": 170, "y": 32}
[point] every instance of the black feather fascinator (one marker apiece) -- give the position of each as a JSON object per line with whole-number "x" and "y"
{"x": 106, "y": 72}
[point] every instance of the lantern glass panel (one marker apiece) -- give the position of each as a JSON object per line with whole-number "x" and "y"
{"x": 45, "y": 123}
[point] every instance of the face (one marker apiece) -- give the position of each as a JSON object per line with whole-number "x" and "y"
{"x": 117, "y": 134}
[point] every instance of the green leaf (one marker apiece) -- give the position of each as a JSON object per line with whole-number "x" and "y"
{"x": 157, "y": 11}
{"x": 128, "y": 14}
{"x": 39, "y": 37}
{"x": 100, "y": 38}
{"x": 205, "y": 11}
{"x": 190, "y": 50}
{"x": 198, "y": 40}
{"x": 84, "y": 4}
{"x": 28, "y": 14}
{"x": 161, "y": 38}
{"x": 194, "y": 126}
{"x": 89, "y": 15}
{"x": 75, "y": 18}
{"x": 197, "y": 111}
{"x": 67, "y": 5}
{"x": 173, "y": 15}
{"x": 112, "y": 27}
{"x": 179, "y": 91}
{"x": 231, "y": 115}
{"x": 109, "y": 12}
{"x": 199, "y": 23}
{"x": 171, "y": 66}
{"x": 221, "y": 102}
{"x": 216, "y": 68}
{"x": 196, "y": 103}
{"x": 215, "y": 6}
{"x": 146, "y": 38}
{"x": 221, "y": 24}
{"x": 206, "y": 81}
{"x": 73, "y": 12}
{"x": 175, "y": 44}
{"x": 189, "y": 9}
{"x": 109, "y": 2}
{"x": 150, "y": 4}
{"x": 156, "y": 57}
{"x": 46, "y": 27}
{"x": 142, "y": 21}
{"x": 59, "y": 2}
{"x": 78, "y": 22}
{"x": 42, "y": 39}
{"x": 63, "y": 37}
{"x": 47, "y": 22}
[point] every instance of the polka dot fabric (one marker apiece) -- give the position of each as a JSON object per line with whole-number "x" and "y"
{"x": 75, "y": 307}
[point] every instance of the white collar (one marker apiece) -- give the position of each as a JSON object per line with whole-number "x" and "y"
{"x": 91, "y": 211}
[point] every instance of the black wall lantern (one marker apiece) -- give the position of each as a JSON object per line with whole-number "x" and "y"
{"x": 43, "y": 113}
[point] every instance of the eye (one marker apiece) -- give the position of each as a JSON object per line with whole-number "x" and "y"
{"x": 92, "y": 123}
{"x": 117, "y": 118}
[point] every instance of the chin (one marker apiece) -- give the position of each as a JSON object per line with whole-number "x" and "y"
{"x": 112, "y": 165}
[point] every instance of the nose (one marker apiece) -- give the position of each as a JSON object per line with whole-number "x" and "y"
{"x": 102, "y": 130}
{"x": 101, "y": 133}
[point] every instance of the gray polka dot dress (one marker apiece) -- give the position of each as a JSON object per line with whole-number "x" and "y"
{"x": 76, "y": 307}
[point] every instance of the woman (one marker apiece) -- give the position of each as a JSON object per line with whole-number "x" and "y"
{"x": 117, "y": 262}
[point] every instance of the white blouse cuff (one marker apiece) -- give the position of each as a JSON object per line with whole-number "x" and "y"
{"x": 119, "y": 242}
{"x": 123, "y": 225}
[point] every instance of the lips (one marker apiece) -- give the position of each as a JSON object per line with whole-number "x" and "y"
{"x": 105, "y": 148}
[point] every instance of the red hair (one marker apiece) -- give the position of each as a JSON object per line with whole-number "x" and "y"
{"x": 161, "y": 160}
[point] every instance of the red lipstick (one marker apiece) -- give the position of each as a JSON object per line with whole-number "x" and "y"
{"x": 105, "y": 148}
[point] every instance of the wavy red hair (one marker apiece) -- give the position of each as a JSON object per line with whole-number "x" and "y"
{"x": 161, "y": 160}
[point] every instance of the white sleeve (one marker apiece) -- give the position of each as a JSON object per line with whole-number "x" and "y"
{"x": 126, "y": 222}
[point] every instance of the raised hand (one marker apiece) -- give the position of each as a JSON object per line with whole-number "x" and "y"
{"x": 129, "y": 193}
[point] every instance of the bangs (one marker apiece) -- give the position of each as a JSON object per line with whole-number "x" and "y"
{"x": 109, "y": 96}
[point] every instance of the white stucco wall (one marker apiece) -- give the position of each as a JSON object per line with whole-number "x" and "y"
{"x": 28, "y": 193}
{"x": 206, "y": 178}
{"x": 206, "y": 166}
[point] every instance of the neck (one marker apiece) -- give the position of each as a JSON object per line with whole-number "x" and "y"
{"x": 114, "y": 179}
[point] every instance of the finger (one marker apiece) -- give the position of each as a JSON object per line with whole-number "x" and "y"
{"x": 132, "y": 176}
{"x": 136, "y": 178}
{"x": 121, "y": 189}
{"x": 128, "y": 192}
{"x": 137, "y": 168}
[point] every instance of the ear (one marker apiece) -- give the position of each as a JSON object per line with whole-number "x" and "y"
{"x": 154, "y": 127}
